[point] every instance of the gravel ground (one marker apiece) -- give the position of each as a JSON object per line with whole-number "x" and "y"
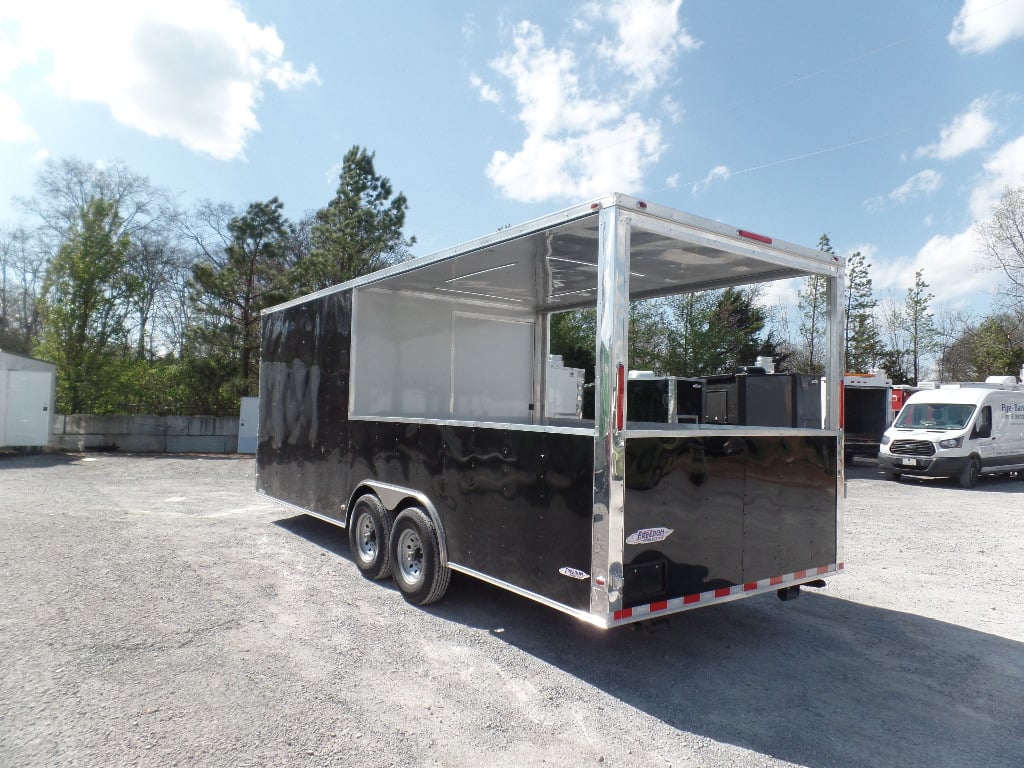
{"x": 155, "y": 611}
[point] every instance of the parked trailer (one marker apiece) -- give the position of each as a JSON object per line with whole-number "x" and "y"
{"x": 411, "y": 407}
{"x": 867, "y": 412}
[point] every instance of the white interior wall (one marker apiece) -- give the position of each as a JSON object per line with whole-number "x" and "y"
{"x": 406, "y": 349}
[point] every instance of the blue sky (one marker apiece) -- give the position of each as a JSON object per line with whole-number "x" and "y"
{"x": 892, "y": 126}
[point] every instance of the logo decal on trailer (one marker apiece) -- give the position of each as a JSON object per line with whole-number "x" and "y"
{"x": 573, "y": 573}
{"x": 648, "y": 535}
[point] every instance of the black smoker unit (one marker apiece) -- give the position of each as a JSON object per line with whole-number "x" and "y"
{"x": 755, "y": 398}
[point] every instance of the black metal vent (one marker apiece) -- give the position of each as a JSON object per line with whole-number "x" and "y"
{"x": 912, "y": 447}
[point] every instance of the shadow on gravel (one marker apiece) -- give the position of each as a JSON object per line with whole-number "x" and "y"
{"x": 24, "y": 460}
{"x": 323, "y": 534}
{"x": 986, "y": 483}
{"x": 10, "y": 458}
{"x": 819, "y": 682}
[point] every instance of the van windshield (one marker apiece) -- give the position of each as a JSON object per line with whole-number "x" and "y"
{"x": 935, "y": 416}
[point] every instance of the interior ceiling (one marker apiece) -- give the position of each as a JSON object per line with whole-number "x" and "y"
{"x": 557, "y": 269}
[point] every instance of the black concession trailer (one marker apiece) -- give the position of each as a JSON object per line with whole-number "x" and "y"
{"x": 411, "y": 406}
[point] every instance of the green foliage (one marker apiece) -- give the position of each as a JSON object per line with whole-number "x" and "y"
{"x": 647, "y": 337}
{"x": 85, "y": 302}
{"x": 574, "y": 337}
{"x": 994, "y": 347}
{"x": 228, "y": 294}
{"x": 863, "y": 342}
{"x": 358, "y": 232}
{"x": 715, "y": 332}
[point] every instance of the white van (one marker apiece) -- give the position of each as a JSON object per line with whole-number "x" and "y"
{"x": 958, "y": 431}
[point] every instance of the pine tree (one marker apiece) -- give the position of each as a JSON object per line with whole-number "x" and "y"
{"x": 921, "y": 321}
{"x": 813, "y": 306}
{"x": 358, "y": 232}
{"x": 862, "y": 339}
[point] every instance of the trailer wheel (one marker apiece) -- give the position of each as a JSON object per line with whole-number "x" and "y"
{"x": 420, "y": 575}
{"x": 369, "y": 533}
{"x": 969, "y": 476}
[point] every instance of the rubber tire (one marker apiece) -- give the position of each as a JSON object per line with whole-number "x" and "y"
{"x": 418, "y": 570}
{"x": 969, "y": 476}
{"x": 369, "y": 537}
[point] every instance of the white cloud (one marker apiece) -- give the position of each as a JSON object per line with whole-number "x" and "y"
{"x": 673, "y": 109}
{"x": 1005, "y": 168}
{"x": 470, "y": 27}
{"x": 926, "y": 182}
{"x": 12, "y": 127}
{"x": 578, "y": 166}
{"x": 487, "y": 92}
{"x": 983, "y": 25}
{"x": 718, "y": 172}
{"x": 968, "y": 131}
{"x": 672, "y": 181}
{"x": 192, "y": 71}
{"x": 584, "y": 135}
{"x": 949, "y": 264}
{"x": 649, "y": 38}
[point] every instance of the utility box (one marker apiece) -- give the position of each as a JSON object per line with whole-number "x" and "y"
{"x": 27, "y": 393}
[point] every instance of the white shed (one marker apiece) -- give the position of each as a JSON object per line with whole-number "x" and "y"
{"x": 27, "y": 393}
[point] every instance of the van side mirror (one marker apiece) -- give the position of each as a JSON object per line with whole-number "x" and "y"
{"x": 982, "y": 430}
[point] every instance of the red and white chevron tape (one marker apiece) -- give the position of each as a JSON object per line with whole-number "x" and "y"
{"x": 726, "y": 593}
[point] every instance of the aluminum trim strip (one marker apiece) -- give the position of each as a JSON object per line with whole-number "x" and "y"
{"x": 558, "y": 429}
{"x": 597, "y": 621}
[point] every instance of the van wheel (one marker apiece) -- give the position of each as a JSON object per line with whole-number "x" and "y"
{"x": 420, "y": 575}
{"x": 369, "y": 532}
{"x": 969, "y": 476}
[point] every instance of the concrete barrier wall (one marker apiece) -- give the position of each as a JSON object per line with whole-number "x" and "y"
{"x": 145, "y": 434}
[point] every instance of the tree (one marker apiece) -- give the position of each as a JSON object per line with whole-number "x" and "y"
{"x": 812, "y": 304}
{"x": 993, "y": 347}
{"x": 1002, "y": 242}
{"x": 229, "y": 288}
{"x": 647, "y": 337}
{"x": 920, "y": 323}
{"x": 688, "y": 353}
{"x": 85, "y": 298}
{"x": 716, "y": 332}
{"x": 147, "y": 216}
{"x": 863, "y": 342}
{"x": 21, "y": 275}
{"x": 358, "y": 232}
{"x": 574, "y": 336}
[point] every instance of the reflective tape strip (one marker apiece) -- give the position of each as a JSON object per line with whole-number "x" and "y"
{"x": 725, "y": 592}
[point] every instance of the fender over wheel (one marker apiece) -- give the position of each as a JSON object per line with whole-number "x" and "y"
{"x": 369, "y": 537}
{"x": 419, "y": 572}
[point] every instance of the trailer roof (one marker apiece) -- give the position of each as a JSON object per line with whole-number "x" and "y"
{"x": 550, "y": 263}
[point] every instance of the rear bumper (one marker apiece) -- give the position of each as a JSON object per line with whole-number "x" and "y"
{"x": 927, "y": 466}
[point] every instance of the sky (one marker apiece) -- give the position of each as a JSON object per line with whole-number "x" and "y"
{"x": 890, "y": 126}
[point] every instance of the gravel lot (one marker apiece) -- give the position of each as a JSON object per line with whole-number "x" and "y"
{"x": 156, "y": 611}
